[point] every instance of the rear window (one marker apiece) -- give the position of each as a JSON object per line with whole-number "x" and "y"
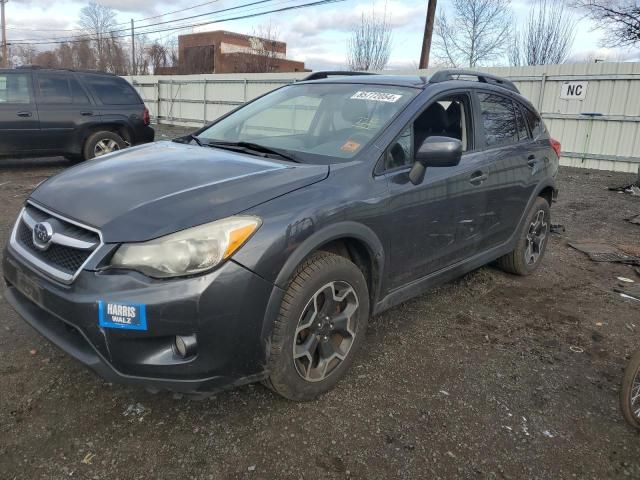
{"x": 535, "y": 122}
{"x": 54, "y": 88}
{"x": 498, "y": 117}
{"x": 112, "y": 90}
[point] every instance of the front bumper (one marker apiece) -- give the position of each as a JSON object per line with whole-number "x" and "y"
{"x": 224, "y": 309}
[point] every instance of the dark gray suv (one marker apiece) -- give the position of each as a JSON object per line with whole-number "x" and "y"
{"x": 257, "y": 248}
{"x": 77, "y": 114}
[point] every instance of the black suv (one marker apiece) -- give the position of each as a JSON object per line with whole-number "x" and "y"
{"x": 257, "y": 248}
{"x": 80, "y": 115}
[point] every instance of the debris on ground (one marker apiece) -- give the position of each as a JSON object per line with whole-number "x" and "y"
{"x": 631, "y": 189}
{"x": 557, "y": 228}
{"x": 625, "y": 280}
{"x": 575, "y": 349}
{"x": 635, "y": 220}
{"x": 629, "y": 291}
{"x": 135, "y": 410}
{"x": 88, "y": 458}
{"x": 604, "y": 252}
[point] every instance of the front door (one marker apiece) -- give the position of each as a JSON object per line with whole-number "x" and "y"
{"x": 19, "y": 123}
{"x": 437, "y": 223}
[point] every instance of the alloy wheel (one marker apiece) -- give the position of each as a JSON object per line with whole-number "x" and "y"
{"x": 535, "y": 238}
{"x": 105, "y": 146}
{"x": 326, "y": 331}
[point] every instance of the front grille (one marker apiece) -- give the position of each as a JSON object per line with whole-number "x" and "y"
{"x": 60, "y": 260}
{"x": 67, "y": 259}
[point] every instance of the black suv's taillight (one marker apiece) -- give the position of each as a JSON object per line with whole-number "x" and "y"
{"x": 146, "y": 118}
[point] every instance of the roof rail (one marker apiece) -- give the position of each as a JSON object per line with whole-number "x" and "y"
{"x": 336, "y": 73}
{"x": 40, "y": 67}
{"x": 28, "y": 67}
{"x": 450, "y": 74}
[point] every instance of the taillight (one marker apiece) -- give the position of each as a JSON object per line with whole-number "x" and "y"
{"x": 555, "y": 144}
{"x": 146, "y": 118}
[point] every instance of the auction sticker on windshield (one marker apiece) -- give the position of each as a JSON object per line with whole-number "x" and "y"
{"x": 377, "y": 96}
{"x": 127, "y": 316}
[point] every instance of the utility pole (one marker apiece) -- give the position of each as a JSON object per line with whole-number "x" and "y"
{"x": 5, "y": 62}
{"x": 133, "y": 50}
{"x": 428, "y": 33}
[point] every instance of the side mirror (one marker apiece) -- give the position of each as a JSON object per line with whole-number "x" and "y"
{"x": 435, "y": 152}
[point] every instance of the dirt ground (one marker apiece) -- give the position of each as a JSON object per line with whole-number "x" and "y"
{"x": 476, "y": 379}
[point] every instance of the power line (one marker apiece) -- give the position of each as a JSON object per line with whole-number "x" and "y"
{"x": 110, "y": 32}
{"x": 193, "y": 7}
{"x": 240, "y": 17}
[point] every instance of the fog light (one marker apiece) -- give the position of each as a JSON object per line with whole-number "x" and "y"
{"x": 185, "y": 346}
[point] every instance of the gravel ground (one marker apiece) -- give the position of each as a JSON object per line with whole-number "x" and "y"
{"x": 475, "y": 379}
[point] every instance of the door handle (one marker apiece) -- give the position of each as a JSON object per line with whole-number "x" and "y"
{"x": 532, "y": 161}
{"x": 478, "y": 177}
{"x": 86, "y": 114}
{"x": 24, "y": 114}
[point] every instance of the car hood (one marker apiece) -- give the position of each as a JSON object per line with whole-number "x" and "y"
{"x": 160, "y": 188}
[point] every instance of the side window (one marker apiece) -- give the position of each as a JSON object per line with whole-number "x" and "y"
{"x": 523, "y": 133}
{"x": 54, "y": 88}
{"x": 498, "y": 118}
{"x": 535, "y": 123}
{"x": 77, "y": 93}
{"x": 448, "y": 117}
{"x": 15, "y": 88}
{"x": 112, "y": 90}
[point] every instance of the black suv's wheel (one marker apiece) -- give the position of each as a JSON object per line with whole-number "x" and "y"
{"x": 101, "y": 143}
{"x": 320, "y": 327}
{"x": 532, "y": 243}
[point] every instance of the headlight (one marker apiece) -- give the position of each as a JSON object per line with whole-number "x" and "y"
{"x": 188, "y": 252}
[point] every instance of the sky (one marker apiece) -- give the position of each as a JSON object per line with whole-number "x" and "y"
{"x": 316, "y": 35}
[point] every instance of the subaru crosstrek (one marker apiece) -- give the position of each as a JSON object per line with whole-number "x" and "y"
{"x": 257, "y": 248}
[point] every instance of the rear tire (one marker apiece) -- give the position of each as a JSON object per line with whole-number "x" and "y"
{"x": 532, "y": 242}
{"x": 320, "y": 327}
{"x": 101, "y": 143}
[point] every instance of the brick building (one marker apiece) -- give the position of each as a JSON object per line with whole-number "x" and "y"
{"x": 228, "y": 52}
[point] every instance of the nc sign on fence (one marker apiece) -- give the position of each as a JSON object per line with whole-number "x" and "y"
{"x": 574, "y": 90}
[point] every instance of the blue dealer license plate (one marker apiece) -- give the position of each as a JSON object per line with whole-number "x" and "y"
{"x": 126, "y": 316}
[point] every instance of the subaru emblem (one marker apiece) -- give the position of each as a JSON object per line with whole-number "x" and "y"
{"x": 42, "y": 235}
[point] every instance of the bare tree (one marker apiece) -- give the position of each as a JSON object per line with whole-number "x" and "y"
{"x": 546, "y": 38}
{"x": 476, "y": 33}
{"x": 97, "y": 21}
{"x": 265, "y": 49}
{"x": 369, "y": 47}
{"x": 157, "y": 56}
{"x": 619, "y": 19}
{"x": 23, "y": 54}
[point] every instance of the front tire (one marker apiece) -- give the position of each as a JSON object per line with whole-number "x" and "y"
{"x": 320, "y": 327}
{"x": 101, "y": 143}
{"x": 532, "y": 242}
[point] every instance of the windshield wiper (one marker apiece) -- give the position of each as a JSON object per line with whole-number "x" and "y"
{"x": 191, "y": 136}
{"x": 250, "y": 147}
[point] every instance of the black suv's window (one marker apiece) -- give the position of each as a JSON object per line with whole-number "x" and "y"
{"x": 15, "y": 88}
{"x": 77, "y": 93}
{"x": 112, "y": 90}
{"x": 446, "y": 117}
{"x": 54, "y": 88}
{"x": 498, "y": 118}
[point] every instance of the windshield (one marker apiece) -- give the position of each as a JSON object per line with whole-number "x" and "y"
{"x": 312, "y": 121}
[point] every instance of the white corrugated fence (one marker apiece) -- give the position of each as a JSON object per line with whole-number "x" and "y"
{"x": 592, "y": 109}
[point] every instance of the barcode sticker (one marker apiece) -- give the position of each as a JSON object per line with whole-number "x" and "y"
{"x": 377, "y": 96}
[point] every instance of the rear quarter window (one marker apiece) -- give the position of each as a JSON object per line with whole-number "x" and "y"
{"x": 112, "y": 90}
{"x": 536, "y": 125}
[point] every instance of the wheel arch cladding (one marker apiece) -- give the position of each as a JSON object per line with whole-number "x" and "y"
{"x": 548, "y": 193}
{"x": 350, "y": 239}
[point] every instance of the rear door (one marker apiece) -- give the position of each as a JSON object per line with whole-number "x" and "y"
{"x": 65, "y": 109}
{"x": 19, "y": 123}
{"x": 506, "y": 138}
